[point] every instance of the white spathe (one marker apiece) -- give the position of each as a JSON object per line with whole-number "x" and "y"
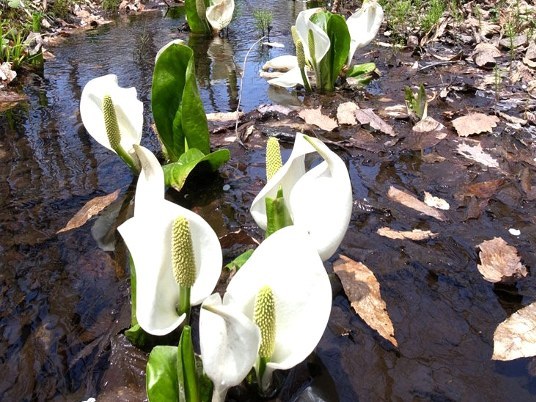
{"x": 363, "y": 26}
{"x": 288, "y": 263}
{"x": 128, "y": 109}
{"x": 148, "y": 238}
{"x": 229, "y": 343}
{"x": 220, "y": 13}
{"x": 321, "y": 39}
{"x": 319, "y": 200}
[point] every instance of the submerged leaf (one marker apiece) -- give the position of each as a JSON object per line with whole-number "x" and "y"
{"x": 477, "y": 154}
{"x": 412, "y": 202}
{"x": 516, "y": 336}
{"x": 499, "y": 261}
{"x": 90, "y": 209}
{"x": 363, "y": 291}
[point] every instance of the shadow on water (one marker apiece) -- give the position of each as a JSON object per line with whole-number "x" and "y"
{"x": 64, "y": 300}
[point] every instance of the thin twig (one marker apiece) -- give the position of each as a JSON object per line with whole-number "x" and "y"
{"x": 240, "y": 92}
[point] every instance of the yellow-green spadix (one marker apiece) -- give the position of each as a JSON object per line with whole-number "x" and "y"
{"x": 148, "y": 236}
{"x": 128, "y": 111}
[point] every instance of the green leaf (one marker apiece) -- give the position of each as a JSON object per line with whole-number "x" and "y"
{"x": 138, "y": 337}
{"x": 176, "y": 173}
{"x": 332, "y": 63}
{"x": 418, "y": 103}
{"x": 277, "y": 214}
{"x": 237, "y": 263}
{"x": 14, "y": 3}
{"x": 361, "y": 69}
{"x": 161, "y": 379}
{"x": 196, "y": 16}
{"x": 178, "y": 111}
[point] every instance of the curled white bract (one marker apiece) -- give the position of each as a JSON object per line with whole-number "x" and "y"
{"x": 319, "y": 200}
{"x": 288, "y": 263}
{"x": 363, "y": 26}
{"x": 128, "y": 109}
{"x": 148, "y": 237}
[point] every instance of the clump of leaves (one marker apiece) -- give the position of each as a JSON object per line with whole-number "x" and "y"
{"x": 263, "y": 21}
{"x": 417, "y": 103}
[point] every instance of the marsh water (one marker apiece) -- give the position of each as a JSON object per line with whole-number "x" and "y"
{"x": 64, "y": 297}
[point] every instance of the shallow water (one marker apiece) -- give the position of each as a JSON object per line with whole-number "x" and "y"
{"x": 64, "y": 299}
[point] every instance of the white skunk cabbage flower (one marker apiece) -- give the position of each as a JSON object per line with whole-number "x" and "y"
{"x": 319, "y": 200}
{"x": 128, "y": 110}
{"x": 220, "y": 13}
{"x": 363, "y": 26}
{"x": 321, "y": 39}
{"x": 148, "y": 237}
{"x": 288, "y": 265}
{"x": 288, "y": 70}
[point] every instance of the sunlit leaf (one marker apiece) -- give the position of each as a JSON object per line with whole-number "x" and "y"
{"x": 367, "y": 116}
{"x": 90, "y": 209}
{"x": 176, "y": 104}
{"x": 516, "y": 336}
{"x": 363, "y": 292}
{"x": 315, "y": 116}
{"x": 477, "y": 154}
{"x": 176, "y": 173}
{"x": 196, "y": 15}
{"x": 499, "y": 261}
{"x": 162, "y": 379}
{"x": 415, "y": 234}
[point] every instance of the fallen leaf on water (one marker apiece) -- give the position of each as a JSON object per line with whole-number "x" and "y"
{"x": 499, "y": 260}
{"x": 90, "y": 209}
{"x": 363, "y": 292}
{"x": 435, "y": 202}
{"x": 477, "y": 154}
{"x": 315, "y": 116}
{"x": 346, "y": 113}
{"x": 415, "y": 234}
{"x": 515, "y": 337}
{"x": 412, "y": 202}
{"x": 367, "y": 116}
{"x": 474, "y": 123}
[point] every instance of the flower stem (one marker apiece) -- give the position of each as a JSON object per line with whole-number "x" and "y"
{"x": 186, "y": 350}
{"x": 184, "y": 301}
{"x": 127, "y": 159}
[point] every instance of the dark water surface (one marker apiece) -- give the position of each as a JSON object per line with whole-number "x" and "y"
{"x": 64, "y": 297}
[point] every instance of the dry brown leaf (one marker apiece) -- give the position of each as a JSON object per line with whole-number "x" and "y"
{"x": 90, "y": 209}
{"x": 346, "y": 113}
{"x": 516, "y": 336}
{"x": 477, "y": 154}
{"x": 415, "y": 234}
{"x": 484, "y": 54}
{"x": 474, "y": 123}
{"x": 412, "y": 202}
{"x": 499, "y": 260}
{"x": 367, "y": 116}
{"x": 315, "y": 116}
{"x": 363, "y": 292}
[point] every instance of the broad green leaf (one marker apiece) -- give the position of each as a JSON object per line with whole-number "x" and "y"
{"x": 361, "y": 69}
{"x": 332, "y": 63}
{"x": 196, "y": 15}
{"x": 237, "y": 263}
{"x": 178, "y": 111}
{"x": 176, "y": 173}
{"x": 162, "y": 375}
